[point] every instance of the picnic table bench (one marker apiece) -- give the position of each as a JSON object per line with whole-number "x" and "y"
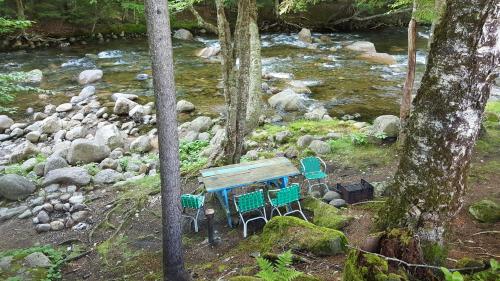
{"x": 221, "y": 180}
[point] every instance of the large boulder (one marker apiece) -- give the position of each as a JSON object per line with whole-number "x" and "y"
{"x": 387, "y": 125}
{"x": 89, "y": 76}
{"x": 69, "y": 175}
{"x": 287, "y": 232}
{"x": 183, "y": 34}
{"x": 123, "y": 106}
{"x": 382, "y": 58}
{"x": 85, "y": 93}
{"x": 324, "y": 214}
{"x": 184, "y": 106}
{"x": 305, "y": 35}
{"x": 287, "y": 100}
{"x": 304, "y": 141}
{"x": 318, "y": 113}
{"x": 485, "y": 211}
{"x": 362, "y": 46}
{"x": 23, "y": 151}
{"x": 208, "y": 52}
{"x": 215, "y": 144}
{"x": 320, "y": 147}
{"x": 15, "y": 187}
{"x": 5, "y": 122}
{"x": 83, "y": 151}
{"x": 141, "y": 144}
{"x": 76, "y": 133}
{"x": 109, "y": 135}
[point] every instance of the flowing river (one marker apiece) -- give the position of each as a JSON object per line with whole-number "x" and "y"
{"x": 341, "y": 83}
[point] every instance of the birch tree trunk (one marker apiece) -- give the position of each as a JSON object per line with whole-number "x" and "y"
{"x": 254, "y": 108}
{"x": 160, "y": 48}
{"x": 442, "y": 130}
{"x": 405, "y": 108}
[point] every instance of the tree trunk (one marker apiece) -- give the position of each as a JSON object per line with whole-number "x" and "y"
{"x": 405, "y": 109}
{"x": 160, "y": 48}
{"x": 254, "y": 108}
{"x": 20, "y": 10}
{"x": 442, "y": 130}
{"x": 202, "y": 22}
{"x": 236, "y": 68}
{"x": 438, "y": 7}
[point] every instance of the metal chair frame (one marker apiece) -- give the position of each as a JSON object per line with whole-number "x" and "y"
{"x": 261, "y": 209}
{"x": 286, "y": 203}
{"x": 195, "y": 217}
{"x": 321, "y": 182}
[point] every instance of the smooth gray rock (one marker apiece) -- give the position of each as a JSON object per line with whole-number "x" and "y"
{"x": 123, "y": 106}
{"x": 37, "y": 259}
{"x": 85, "y": 151}
{"x": 287, "y": 100}
{"x": 110, "y": 135}
{"x": 34, "y": 76}
{"x": 5, "y": 122}
{"x": 70, "y": 175}
{"x": 23, "y": 152}
{"x": 109, "y": 163}
{"x": 7, "y": 213}
{"x": 80, "y": 216}
{"x": 331, "y": 195}
{"x": 282, "y": 136}
{"x": 50, "y": 125}
{"x": 387, "y": 125}
{"x": 15, "y": 187}
{"x": 33, "y": 136}
{"x": 337, "y": 203}
{"x": 56, "y": 225}
{"x": 305, "y": 35}
{"x": 29, "y": 164}
{"x": 5, "y": 262}
{"x": 183, "y": 34}
{"x": 54, "y": 162}
{"x": 117, "y": 96}
{"x": 89, "y": 76}
{"x": 320, "y": 147}
{"x": 76, "y": 133}
{"x": 141, "y": 144}
{"x": 304, "y": 141}
{"x": 362, "y": 46}
{"x": 44, "y": 227}
{"x": 64, "y": 107}
{"x": 43, "y": 217}
{"x": 184, "y": 106}
{"x": 107, "y": 176}
{"x": 209, "y": 52}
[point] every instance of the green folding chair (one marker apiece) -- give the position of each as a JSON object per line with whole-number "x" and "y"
{"x": 313, "y": 169}
{"x": 192, "y": 202}
{"x": 250, "y": 202}
{"x": 284, "y": 198}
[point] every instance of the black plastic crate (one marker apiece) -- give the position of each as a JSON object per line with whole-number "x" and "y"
{"x": 356, "y": 192}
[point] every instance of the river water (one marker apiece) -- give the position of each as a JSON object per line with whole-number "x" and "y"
{"x": 344, "y": 84}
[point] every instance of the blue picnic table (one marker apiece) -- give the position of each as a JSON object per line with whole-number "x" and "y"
{"x": 221, "y": 180}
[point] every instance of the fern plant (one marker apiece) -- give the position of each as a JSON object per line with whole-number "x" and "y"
{"x": 281, "y": 271}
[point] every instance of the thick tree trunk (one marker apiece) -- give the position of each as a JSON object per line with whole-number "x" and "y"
{"x": 255, "y": 95}
{"x": 438, "y": 9}
{"x": 160, "y": 47}
{"x": 236, "y": 68}
{"x": 431, "y": 179}
{"x": 20, "y": 10}
{"x": 405, "y": 108}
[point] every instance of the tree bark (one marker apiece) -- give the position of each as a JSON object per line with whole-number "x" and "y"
{"x": 160, "y": 47}
{"x": 254, "y": 108}
{"x": 236, "y": 68}
{"x": 431, "y": 179}
{"x": 438, "y": 7}
{"x": 202, "y": 22}
{"x": 20, "y": 10}
{"x": 405, "y": 108}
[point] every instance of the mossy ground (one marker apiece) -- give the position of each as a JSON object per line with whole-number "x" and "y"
{"x": 324, "y": 214}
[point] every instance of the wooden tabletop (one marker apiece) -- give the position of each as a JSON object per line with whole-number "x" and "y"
{"x": 237, "y": 175}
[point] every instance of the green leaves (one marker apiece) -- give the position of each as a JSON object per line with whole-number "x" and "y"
{"x": 279, "y": 272}
{"x": 10, "y": 85}
{"x": 189, "y": 154}
{"x": 455, "y": 276}
{"x": 8, "y": 25}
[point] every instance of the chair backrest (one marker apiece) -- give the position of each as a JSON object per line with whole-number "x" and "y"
{"x": 250, "y": 201}
{"x": 192, "y": 201}
{"x": 311, "y": 164}
{"x": 288, "y": 195}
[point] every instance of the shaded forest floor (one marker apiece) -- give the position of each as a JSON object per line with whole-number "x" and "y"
{"x": 132, "y": 250}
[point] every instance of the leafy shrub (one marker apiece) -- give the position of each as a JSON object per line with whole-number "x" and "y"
{"x": 10, "y": 85}
{"x": 358, "y": 139}
{"x": 190, "y": 155}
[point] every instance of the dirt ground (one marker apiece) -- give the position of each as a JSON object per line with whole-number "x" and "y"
{"x": 135, "y": 253}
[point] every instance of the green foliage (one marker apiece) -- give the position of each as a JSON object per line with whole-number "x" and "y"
{"x": 10, "y": 85}
{"x": 52, "y": 273}
{"x": 9, "y": 25}
{"x": 358, "y": 138}
{"x": 92, "y": 168}
{"x": 190, "y": 156}
{"x": 279, "y": 272}
{"x": 449, "y": 276}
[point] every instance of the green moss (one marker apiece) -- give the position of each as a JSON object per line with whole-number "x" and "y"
{"x": 493, "y": 107}
{"x": 286, "y": 232}
{"x": 370, "y": 267}
{"x": 434, "y": 254}
{"x": 44, "y": 274}
{"x": 486, "y": 211}
{"x": 324, "y": 214}
{"x": 468, "y": 262}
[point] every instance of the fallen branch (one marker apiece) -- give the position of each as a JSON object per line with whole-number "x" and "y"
{"x": 402, "y": 262}
{"x": 487, "y": 232}
{"x": 363, "y": 202}
{"x": 356, "y": 17}
{"x": 208, "y": 26}
{"x": 78, "y": 256}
